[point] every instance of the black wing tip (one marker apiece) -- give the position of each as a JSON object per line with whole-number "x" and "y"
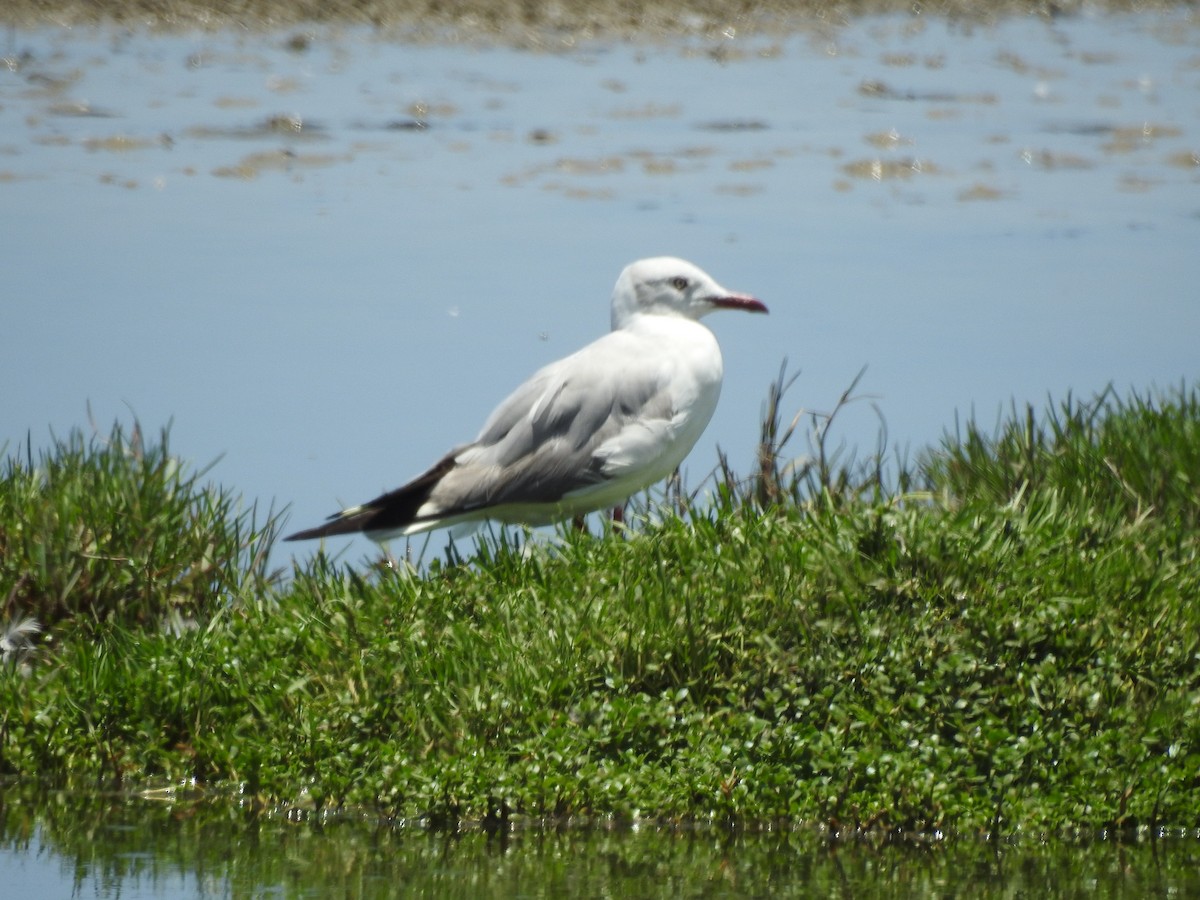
{"x": 307, "y": 535}
{"x": 388, "y": 512}
{"x": 337, "y": 524}
{"x": 312, "y": 533}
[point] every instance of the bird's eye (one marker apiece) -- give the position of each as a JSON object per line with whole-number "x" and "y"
{"x": 679, "y": 283}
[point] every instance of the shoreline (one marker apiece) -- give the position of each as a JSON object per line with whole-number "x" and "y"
{"x": 528, "y": 24}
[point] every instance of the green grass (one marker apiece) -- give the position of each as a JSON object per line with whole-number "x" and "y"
{"x": 110, "y": 529}
{"x": 1010, "y": 640}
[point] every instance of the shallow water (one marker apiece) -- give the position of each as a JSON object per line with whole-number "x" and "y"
{"x": 326, "y": 255}
{"x": 110, "y": 846}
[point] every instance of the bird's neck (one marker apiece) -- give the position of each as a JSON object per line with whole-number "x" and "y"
{"x": 659, "y": 323}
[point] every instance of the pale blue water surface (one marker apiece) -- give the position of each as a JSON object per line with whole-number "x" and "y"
{"x": 328, "y": 264}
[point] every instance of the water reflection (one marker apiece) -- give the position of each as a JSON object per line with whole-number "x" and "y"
{"x": 113, "y": 845}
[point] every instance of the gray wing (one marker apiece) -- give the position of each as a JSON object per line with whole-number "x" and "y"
{"x": 543, "y": 441}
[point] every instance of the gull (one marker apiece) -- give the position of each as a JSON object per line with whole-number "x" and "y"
{"x": 583, "y": 433}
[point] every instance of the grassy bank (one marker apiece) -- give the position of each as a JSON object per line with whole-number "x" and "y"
{"x": 1012, "y": 642}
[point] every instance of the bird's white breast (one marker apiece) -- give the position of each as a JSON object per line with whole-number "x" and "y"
{"x": 690, "y": 367}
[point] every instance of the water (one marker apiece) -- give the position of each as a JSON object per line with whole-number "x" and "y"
{"x": 110, "y": 846}
{"x": 326, "y": 259}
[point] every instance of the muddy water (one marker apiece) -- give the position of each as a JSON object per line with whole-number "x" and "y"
{"x": 326, "y": 254}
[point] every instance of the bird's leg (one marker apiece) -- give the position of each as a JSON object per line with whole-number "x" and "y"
{"x": 580, "y": 524}
{"x": 618, "y": 515}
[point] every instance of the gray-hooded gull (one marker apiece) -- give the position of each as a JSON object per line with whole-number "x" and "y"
{"x": 585, "y": 432}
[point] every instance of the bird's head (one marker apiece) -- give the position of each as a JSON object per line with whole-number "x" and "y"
{"x": 666, "y": 286}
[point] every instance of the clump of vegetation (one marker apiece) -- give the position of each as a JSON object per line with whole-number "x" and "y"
{"x": 1140, "y": 456}
{"x": 111, "y": 530}
{"x": 1011, "y": 640}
